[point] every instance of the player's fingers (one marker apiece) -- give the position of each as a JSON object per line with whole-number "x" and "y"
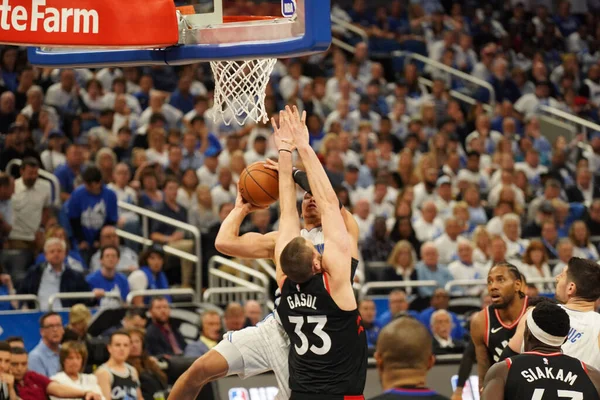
{"x": 274, "y": 124}
{"x": 304, "y": 117}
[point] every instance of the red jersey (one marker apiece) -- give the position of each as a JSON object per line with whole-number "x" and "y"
{"x": 33, "y": 386}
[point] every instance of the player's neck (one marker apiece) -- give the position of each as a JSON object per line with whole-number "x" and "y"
{"x": 544, "y": 349}
{"x": 513, "y": 311}
{"x": 310, "y": 224}
{"x": 577, "y": 304}
{"x": 402, "y": 378}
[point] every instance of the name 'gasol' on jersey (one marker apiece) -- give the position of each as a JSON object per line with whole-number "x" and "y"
{"x": 48, "y": 19}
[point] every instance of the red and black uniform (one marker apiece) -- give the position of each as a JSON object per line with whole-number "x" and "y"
{"x": 328, "y": 350}
{"x": 553, "y": 376}
{"x": 497, "y": 334}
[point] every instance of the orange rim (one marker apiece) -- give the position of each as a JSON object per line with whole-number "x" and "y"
{"x": 228, "y": 19}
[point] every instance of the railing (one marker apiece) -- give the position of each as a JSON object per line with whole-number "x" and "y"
{"x": 224, "y": 287}
{"x": 364, "y": 290}
{"x": 267, "y": 267}
{"x": 147, "y": 242}
{"x": 452, "y": 71}
{"x": 570, "y": 117}
{"x": 351, "y": 27}
{"x": 44, "y": 174}
{"x": 482, "y": 282}
{"x": 79, "y": 296}
{"x": 21, "y": 297}
{"x": 147, "y": 214}
{"x": 458, "y": 95}
{"x": 159, "y": 292}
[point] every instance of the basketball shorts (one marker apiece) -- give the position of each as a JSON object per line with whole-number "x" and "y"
{"x": 258, "y": 349}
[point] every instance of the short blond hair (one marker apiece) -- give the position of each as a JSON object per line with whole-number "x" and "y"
{"x": 79, "y": 313}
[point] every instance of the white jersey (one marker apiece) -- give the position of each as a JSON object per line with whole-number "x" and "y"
{"x": 315, "y": 235}
{"x": 582, "y": 342}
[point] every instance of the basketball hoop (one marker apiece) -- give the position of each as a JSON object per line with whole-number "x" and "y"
{"x": 240, "y": 85}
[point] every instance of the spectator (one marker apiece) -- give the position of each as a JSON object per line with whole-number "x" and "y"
{"x": 565, "y": 253}
{"x": 30, "y": 203}
{"x": 202, "y": 214}
{"x": 63, "y": 95}
{"x": 529, "y": 103}
{"x": 126, "y": 194}
{"x": 368, "y": 312}
{"x": 441, "y": 326}
{"x": 157, "y": 150}
{"x": 44, "y": 358}
{"x": 173, "y": 165}
{"x": 7, "y": 188}
{"x": 30, "y": 385}
{"x": 550, "y": 239}
{"x": 233, "y": 318}
{"x": 168, "y": 234}
{"x": 15, "y": 342}
{"x": 439, "y": 301}
{"x": 150, "y": 275}
{"x": 429, "y": 268}
{"x": 73, "y": 259}
{"x": 208, "y": 173}
{"x": 53, "y": 276}
{"x": 465, "y": 268}
{"x": 107, "y": 280}
{"x": 511, "y": 234}
{"x": 586, "y": 188}
{"x": 128, "y": 259}
{"x": 225, "y": 191}
{"x": 150, "y": 196}
{"x": 592, "y": 219}
{"x": 7, "y": 387}
{"x": 253, "y": 312}
{"x": 135, "y": 318}
{"x": 79, "y": 320}
{"x": 428, "y": 226}
{"x": 128, "y": 382}
{"x": 153, "y": 381}
{"x": 91, "y": 207}
{"x": 211, "y": 328}
{"x": 447, "y": 243}
{"x": 397, "y": 307}
{"x": 73, "y": 358}
{"x": 15, "y": 146}
{"x": 535, "y": 265}
{"x": 162, "y": 339}
{"x": 377, "y": 246}
{"x": 186, "y": 195}
{"x": 481, "y": 242}
{"x": 401, "y": 261}
{"x": 583, "y": 247}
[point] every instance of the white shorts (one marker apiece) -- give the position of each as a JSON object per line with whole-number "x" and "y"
{"x": 258, "y": 349}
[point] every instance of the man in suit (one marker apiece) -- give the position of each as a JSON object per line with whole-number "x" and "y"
{"x": 441, "y": 327}
{"x": 162, "y": 339}
{"x": 586, "y": 188}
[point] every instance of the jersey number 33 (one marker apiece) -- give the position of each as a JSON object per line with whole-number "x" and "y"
{"x": 317, "y": 334}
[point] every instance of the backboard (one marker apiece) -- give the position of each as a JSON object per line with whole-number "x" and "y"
{"x": 156, "y": 32}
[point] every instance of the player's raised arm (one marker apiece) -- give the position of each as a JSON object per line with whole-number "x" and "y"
{"x": 249, "y": 245}
{"x": 336, "y": 261}
{"x": 289, "y": 223}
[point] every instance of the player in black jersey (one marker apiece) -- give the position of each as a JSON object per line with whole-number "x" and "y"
{"x": 492, "y": 327}
{"x": 404, "y": 356}
{"x": 542, "y": 372}
{"x": 318, "y": 310}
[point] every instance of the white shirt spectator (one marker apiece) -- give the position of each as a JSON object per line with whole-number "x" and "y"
{"x": 206, "y": 177}
{"x": 28, "y": 205}
{"x": 515, "y": 249}
{"x": 56, "y": 96}
{"x": 132, "y": 102}
{"x": 426, "y": 231}
{"x": 96, "y": 104}
{"x": 460, "y": 270}
{"x": 531, "y": 172}
{"x": 128, "y": 260}
{"x": 494, "y": 226}
{"x": 374, "y": 119}
{"x": 494, "y": 195}
{"x": 446, "y": 248}
{"x": 171, "y": 114}
{"x": 85, "y": 382}
{"x": 477, "y": 178}
{"x": 52, "y": 159}
{"x": 221, "y": 195}
{"x": 421, "y": 195}
{"x": 184, "y": 199}
{"x": 288, "y": 85}
{"x": 589, "y": 252}
{"x": 531, "y": 271}
{"x": 106, "y": 76}
{"x": 127, "y": 195}
{"x": 365, "y": 226}
{"x": 528, "y": 103}
{"x": 348, "y": 123}
{"x": 154, "y": 156}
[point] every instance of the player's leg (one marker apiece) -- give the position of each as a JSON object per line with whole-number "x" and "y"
{"x": 205, "y": 369}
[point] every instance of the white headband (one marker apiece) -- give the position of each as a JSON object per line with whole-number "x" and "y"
{"x": 541, "y": 335}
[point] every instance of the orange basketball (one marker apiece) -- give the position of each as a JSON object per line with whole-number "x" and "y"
{"x": 259, "y": 185}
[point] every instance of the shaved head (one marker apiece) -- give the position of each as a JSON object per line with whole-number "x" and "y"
{"x": 404, "y": 343}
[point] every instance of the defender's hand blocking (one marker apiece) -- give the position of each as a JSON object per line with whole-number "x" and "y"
{"x": 298, "y": 126}
{"x": 283, "y": 134}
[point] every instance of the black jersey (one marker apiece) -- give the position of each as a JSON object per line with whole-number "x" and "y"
{"x": 554, "y": 376}
{"x": 497, "y": 334}
{"x": 410, "y": 394}
{"x": 123, "y": 386}
{"x": 328, "y": 350}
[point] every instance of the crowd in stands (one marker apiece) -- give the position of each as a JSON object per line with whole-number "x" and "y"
{"x": 441, "y": 189}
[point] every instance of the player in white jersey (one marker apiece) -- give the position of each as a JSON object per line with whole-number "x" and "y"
{"x": 577, "y": 288}
{"x": 255, "y": 350}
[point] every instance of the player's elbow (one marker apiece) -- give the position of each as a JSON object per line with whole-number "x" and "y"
{"x": 223, "y": 246}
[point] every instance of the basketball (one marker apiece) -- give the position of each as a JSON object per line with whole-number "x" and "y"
{"x": 259, "y": 185}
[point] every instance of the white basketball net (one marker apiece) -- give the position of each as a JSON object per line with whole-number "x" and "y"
{"x": 240, "y": 89}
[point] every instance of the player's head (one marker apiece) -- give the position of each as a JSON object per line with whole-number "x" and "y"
{"x": 505, "y": 284}
{"x": 579, "y": 279}
{"x": 310, "y": 210}
{"x": 547, "y": 325}
{"x": 403, "y": 349}
{"x": 300, "y": 260}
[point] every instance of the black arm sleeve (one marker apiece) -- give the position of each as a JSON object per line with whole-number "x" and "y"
{"x": 466, "y": 364}
{"x": 301, "y": 179}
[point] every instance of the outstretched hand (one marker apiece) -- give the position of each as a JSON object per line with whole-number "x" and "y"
{"x": 282, "y": 133}
{"x": 298, "y": 126}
